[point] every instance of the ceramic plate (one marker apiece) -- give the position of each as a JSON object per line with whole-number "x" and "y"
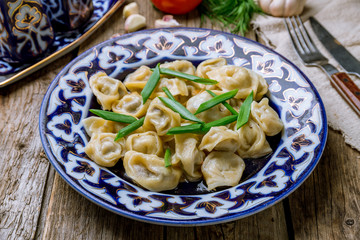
{"x": 63, "y": 43}
{"x": 295, "y": 155}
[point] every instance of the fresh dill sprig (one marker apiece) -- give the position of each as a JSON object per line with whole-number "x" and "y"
{"x": 234, "y": 15}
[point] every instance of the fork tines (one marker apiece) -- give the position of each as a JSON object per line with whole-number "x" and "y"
{"x": 299, "y": 35}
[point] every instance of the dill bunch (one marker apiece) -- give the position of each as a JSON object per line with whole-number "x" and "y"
{"x": 234, "y": 15}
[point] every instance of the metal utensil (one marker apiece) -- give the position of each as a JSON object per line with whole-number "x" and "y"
{"x": 341, "y": 55}
{"x": 311, "y": 56}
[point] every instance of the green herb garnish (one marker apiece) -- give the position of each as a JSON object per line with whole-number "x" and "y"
{"x": 129, "y": 128}
{"x": 228, "y": 106}
{"x": 216, "y": 100}
{"x": 244, "y": 111}
{"x": 191, "y": 128}
{"x": 220, "y": 122}
{"x": 167, "y": 157}
{"x": 186, "y": 76}
{"x": 233, "y": 14}
{"x": 202, "y": 128}
{"x": 168, "y": 93}
{"x": 151, "y": 83}
{"x": 177, "y": 107}
{"x": 112, "y": 116}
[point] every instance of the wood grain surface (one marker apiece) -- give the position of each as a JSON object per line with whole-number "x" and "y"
{"x": 36, "y": 203}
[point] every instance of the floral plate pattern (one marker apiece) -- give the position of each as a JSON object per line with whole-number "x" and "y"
{"x": 63, "y": 43}
{"x": 68, "y": 99}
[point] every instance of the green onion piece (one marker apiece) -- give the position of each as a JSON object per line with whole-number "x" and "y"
{"x": 244, "y": 111}
{"x": 216, "y": 100}
{"x": 168, "y": 93}
{"x": 177, "y": 107}
{"x": 112, "y": 116}
{"x": 167, "y": 157}
{"x": 151, "y": 83}
{"x": 191, "y": 128}
{"x": 220, "y": 122}
{"x": 129, "y": 128}
{"x": 228, "y": 106}
{"x": 186, "y": 76}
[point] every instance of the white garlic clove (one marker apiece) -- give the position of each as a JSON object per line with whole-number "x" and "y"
{"x": 166, "y": 21}
{"x": 282, "y": 8}
{"x": 130, "y": 9}
{"x": 135, "y": 22}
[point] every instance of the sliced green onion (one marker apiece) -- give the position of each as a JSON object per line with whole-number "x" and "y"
{"x": 112, "y": 116}
{"x": 244, "y": 111}
{"x": 186, "y": 76}
{"x": 177, "y": 107}
{"x": 151, "y": 83}
{"x": 129, "y": 128}
{"x": 168, "y": 93}
{"x": 167, "y": 157}
{"x": 191, "y": 128}
{"x": 228, "y": 106}
{"x": 220, "y": 122}
{"x": 216, "y": 100}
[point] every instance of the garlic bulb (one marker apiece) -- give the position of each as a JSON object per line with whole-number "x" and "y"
{"x": 282, "y": 8}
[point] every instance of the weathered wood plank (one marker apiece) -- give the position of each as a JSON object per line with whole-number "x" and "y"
{"x": 327, "y": 205}
{"x": 268, "y": 224}
{"x": 23, "y": 165}
{"x": 71, "y": 216}
{"x": 45, "y": 203}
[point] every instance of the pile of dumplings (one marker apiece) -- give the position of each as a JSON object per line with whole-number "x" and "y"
{"x": 217, "y": 156}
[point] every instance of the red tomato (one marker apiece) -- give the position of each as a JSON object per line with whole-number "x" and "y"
{"x": 176, "y": 6}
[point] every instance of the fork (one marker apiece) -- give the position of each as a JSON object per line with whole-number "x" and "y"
{"x": 311, "y": 56}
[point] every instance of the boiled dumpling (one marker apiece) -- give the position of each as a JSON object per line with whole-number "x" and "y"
{"x": 220, "y": 139}
{"x": 106, "y": 89}
{"x": 262, "y": 87}
{"x": 160, "y": 118}
{"x": 147, "y": 142}
{"x": 184, "y": 67}
{"x": 180, "y": 66}
{"x": 253, "y": 143}
{"x": 212, "y": 114}
{"x": 103, "y": 150}
{"x": 137, "y": 80}
{"x": 99, "y": 125}
{"x": 209, "y": 65}
{"x": 131, "y": 104}
{"x": 236, "y": 103}
{"x": 266, "y": 117}
{"x": 235, "y": 77}
{"x": 222, "y": 169}
{"x": 194, "y": 88}
{"x": 149, "y": 171}
{"x": 176, "y": 86}
{"x": 186, "y": 148}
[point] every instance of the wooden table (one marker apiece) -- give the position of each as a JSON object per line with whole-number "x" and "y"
{"x": 35, "y": 202}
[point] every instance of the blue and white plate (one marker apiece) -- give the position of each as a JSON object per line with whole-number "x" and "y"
{"x": 299, "y": 147}
{"x": 63, "y": 43}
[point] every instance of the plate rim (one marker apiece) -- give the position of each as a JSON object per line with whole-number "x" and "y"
{"x": 190, "y": 222}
